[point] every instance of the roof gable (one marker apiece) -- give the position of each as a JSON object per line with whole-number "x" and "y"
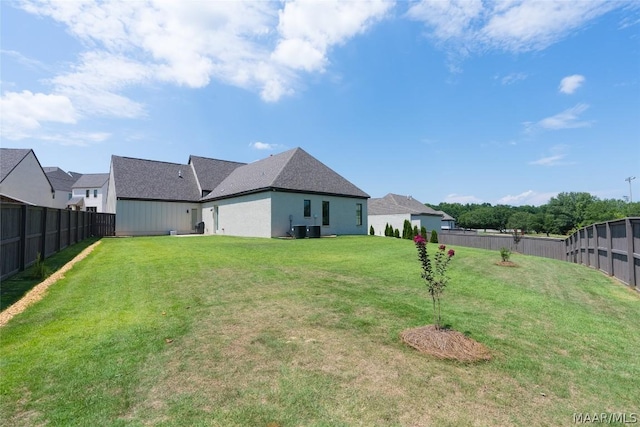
{"x": 397, "y": 204}
{"x": 91, "y": 180}
{"x": 10, "y": 158}
{"x": 211, "y": 172}
{"x": 153, "y": 180}
{"x": 293, "y": 170}
{"x": 60, "y": 180}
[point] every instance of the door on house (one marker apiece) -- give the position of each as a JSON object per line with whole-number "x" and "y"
{"x": 215, "y": 219}
{"x": 194, "y": 218}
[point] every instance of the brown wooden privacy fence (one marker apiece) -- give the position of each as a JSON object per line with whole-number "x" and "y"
{"x": 544, "y": 247}
{"x": 27, "y": 231}
{"x": 612, "y": 247}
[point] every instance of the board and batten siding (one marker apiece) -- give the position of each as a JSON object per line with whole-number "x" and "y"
{"x": 342, "y": 213}
{"x": 147, "y": 218}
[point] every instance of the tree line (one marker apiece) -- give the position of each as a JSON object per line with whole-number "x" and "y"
{"x": 561, "y": 215}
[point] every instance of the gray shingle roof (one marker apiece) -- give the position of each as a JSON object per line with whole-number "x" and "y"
{"x": 293, "y": 170}
{"x": 9, "y": 159}
{"x": 211, "y": 172}
{"x": 153, "y": 180}
{"x": 61, "y": 180}
{"x": 92, "y": 180}
{"x": 446, "y": 216}
{"x": 397, "y": 204}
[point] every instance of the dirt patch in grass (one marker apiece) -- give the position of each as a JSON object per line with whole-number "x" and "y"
{"x": 506, "y": 264}
{"x": 445, "y": 344}
{"x": 38, "y": 292}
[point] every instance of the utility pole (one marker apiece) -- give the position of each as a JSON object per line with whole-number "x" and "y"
{"x": 631, "y": 178}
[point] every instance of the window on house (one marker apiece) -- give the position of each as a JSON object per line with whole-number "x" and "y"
{"x": 325, "y": 213}
{"x": 86, "y": 194}
{"x": 358, "y": 213}
{"x": 95, "y": 193}
{"x": 307, "y": 208}
{"x": 92, "y": 209}
{"x": 70, "y": 195}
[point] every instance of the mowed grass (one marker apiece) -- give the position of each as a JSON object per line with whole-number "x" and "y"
{"x": 223, "y": 331}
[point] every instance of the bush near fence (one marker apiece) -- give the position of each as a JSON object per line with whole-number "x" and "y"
{"x": 26, "y": 231}
{"x": 612, "y": 247}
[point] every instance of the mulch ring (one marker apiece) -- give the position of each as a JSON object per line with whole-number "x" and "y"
{"x": 507, "y": 264}
{"x": 445, "y": 344}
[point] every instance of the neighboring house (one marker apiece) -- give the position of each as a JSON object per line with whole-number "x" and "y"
{"x": 448, "y": 222}
{"x": 266, "y": 198}
{"x": 261, "y": 199}
{"x": 151, "y": 197}
{"x": 62, "y": 182}
{"x": 394, "y": 209}
{"x": 23, "y": 180}
{"x": 93, "y": 188}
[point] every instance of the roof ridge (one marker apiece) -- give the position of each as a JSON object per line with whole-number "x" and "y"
{"x": 149, "y": 160}
{"x": 219, "y": 160}
{"x": 293, "y": 152}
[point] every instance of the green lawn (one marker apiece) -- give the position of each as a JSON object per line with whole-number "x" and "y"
{"x": 223, "y": 331}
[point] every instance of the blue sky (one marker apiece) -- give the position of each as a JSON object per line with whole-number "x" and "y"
{"x": 448, "y": 101}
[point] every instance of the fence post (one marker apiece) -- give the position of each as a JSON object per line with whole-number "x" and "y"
{"x": 23, "y": 237}
{"x": 631, "y": 262}
{"x": 596, "y": 251}
{"x": 609, "y": 249}
{"x": 43, "y": 242}
{"x": 59, "y": 236}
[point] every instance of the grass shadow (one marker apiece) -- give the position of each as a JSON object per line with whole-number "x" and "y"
{"x": 16, "y": 286}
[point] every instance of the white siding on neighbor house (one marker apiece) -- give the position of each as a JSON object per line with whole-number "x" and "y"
{"x": 141, "y": 217}
{"x": 27, "y": 182}
{"x": 62, "y": 197}
{"x": 110, "y": 205}
{"x": 248, "y": 216}
{"x": 99, "y": 202}
{"x": 379, "y": 222}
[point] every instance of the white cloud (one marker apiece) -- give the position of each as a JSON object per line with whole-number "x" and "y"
{"x": 571, "y": 83}
{"x": 556, "y": 157}
{"x": 263, "y": 146}
{"x": 458, "y": 198}
{"x": 568, "y": 119}
{"x": 77, "y": 139}
{"x": 512, "y": 26}
{"x": 512, "y": 78}
{"x": 529, "y": 197}
{"x": 24, "y": 112}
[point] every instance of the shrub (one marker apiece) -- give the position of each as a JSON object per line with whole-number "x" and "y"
{"x": 372, "y": 232}
{"x": 505, "y": 254}
{"x": 396, "y": 233}
{"x": 416, "y": 232}
{"x": 434, "y": 276}
{"x": 407, "y": 230}
{"x": 40, "y": 270}
{"x": 434, "y": 237}
{"x": 388, "y": 231}
{"x": 423, "y": 233}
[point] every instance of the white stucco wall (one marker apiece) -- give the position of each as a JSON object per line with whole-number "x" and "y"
{"x": 267, "y": 214}
{"x": 62, "y": 197}
{"x": 141, "y": 217}
{"x": 110, "y": 205}
{"x": 247, "y": 216}
{"x": 28, "y": 182}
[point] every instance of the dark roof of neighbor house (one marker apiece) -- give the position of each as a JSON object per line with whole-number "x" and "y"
{"x": 76, "y": 201}
{"x": 153, "y": 180}
{"x": 211, "y": 172}
{"x": 293, "y": 170}
{"x": 91, "y": 180}
{"x": 397, "y": 204}
{"x": 60, "y": 180}
{"x": 446, "y": 216}
{"x": 10, "y": 158}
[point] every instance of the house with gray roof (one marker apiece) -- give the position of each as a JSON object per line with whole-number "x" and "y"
{"x": 448, "y": 222}
{"x": 265, "y": 198}
{"x": 62, "y": 182}
{"x": 23, "y": 180}
{"x": 394, "y": 209}
{"x": 268, "y": 197}
{"x": 93, "y": 188}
